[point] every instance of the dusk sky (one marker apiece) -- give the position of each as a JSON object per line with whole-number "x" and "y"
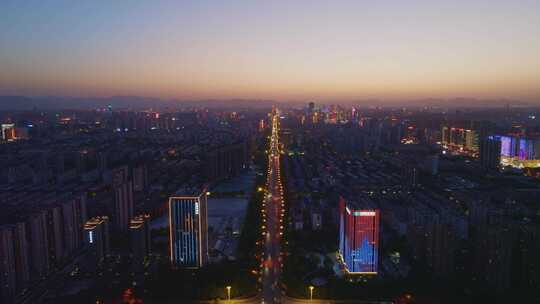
{"x": 281, "y": 50}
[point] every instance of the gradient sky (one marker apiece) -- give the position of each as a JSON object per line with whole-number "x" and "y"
{"x": 283, "y": 50}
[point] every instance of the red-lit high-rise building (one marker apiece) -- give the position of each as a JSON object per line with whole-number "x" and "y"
{"x": 359, "y": 238}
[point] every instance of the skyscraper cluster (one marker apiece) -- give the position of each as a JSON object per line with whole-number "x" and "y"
{"x": 225, "y": 161}
{"x": 40, "y": 237}
{"x": 461, "y": 140}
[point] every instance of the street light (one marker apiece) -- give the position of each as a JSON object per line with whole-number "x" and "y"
{"x": 228, "y": 293}
{"x": 311, "y": 293}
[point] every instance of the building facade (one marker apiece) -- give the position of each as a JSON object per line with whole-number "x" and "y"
{"x": 359, "y": 239}
{"x": 460, "y": 140}
{"x": 139, "y": 230}
{"x": 490, "y": 153}
{"x": 517, "y": 151}
{"x": 123, "y": 198}
{"x": 188, "y": 230}
{"x": 96, "y": 235}
{"x": 7, "y": 266}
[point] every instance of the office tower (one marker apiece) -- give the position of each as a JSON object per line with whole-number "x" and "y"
{"x": 39, "y": 245}
{"x": 315, "y": 118}
{"x": 8, "y": 131}
{"x": 80, "y": 217}
{"x": 74, "y": 217}
{"x": 519, "y": 152}
{"x": 70, "y": 237}
{"x": 102, "y": 160}
{"x": 471, "y": 140}
{"x": 188, "y": 229}
{"x": 529, "y": 250}
{"x": 82, "y": 161}
{"x": 285, "y": 137}
{"x": 316, "y": 221}
{"x": 7, "y": 266}
{"x": 225, "y": 161}
{"x": 123, "y": 198}
{"x": 432, "y": 236}
{"x": 21, "y": 133}
{"x": 96, "y": 235}
{"x": 431, "y": 164}
{"x": 490, "y": 153}
{"x": 311, "y": 107}
{"x": 460, "y": 139}
{"x": 409, "y": 174}
{"x": 55, "y": 235}
{"x": 359, "y": 238}
{"x": 493, "y": 249}
{"x": 139, "y": 230}
{"x": 14, "y": 267}
{"x": 140, "y": 178}
{"x": 22, "y": 266}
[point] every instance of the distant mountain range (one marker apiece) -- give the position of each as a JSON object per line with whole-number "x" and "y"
{"x": 21, "y": 103}
{"x": 460, "y": 102}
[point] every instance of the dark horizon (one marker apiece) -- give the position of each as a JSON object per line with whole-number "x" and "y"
{"x": 19, "y": 102}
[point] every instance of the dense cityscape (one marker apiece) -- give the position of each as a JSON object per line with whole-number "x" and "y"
{"x": 283, "y": 205}
{"x": 269, "y": 152}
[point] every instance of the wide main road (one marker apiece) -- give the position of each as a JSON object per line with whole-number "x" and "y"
{"x": 273, "y": 221}
{"x": 273, "y": 213}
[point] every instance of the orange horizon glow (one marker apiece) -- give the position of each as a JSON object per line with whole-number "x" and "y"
{"x": 280, "y": 51}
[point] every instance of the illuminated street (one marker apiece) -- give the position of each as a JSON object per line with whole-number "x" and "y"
{"x": 273, "y": 220}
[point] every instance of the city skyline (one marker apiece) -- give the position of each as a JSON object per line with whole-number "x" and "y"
{"x": 278, "y": 152}
{"x": 279, "y": 51}
{"x": 285, "y": 205}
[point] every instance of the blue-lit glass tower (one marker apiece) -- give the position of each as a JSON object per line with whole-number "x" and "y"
{"x": 188, "y": 235}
